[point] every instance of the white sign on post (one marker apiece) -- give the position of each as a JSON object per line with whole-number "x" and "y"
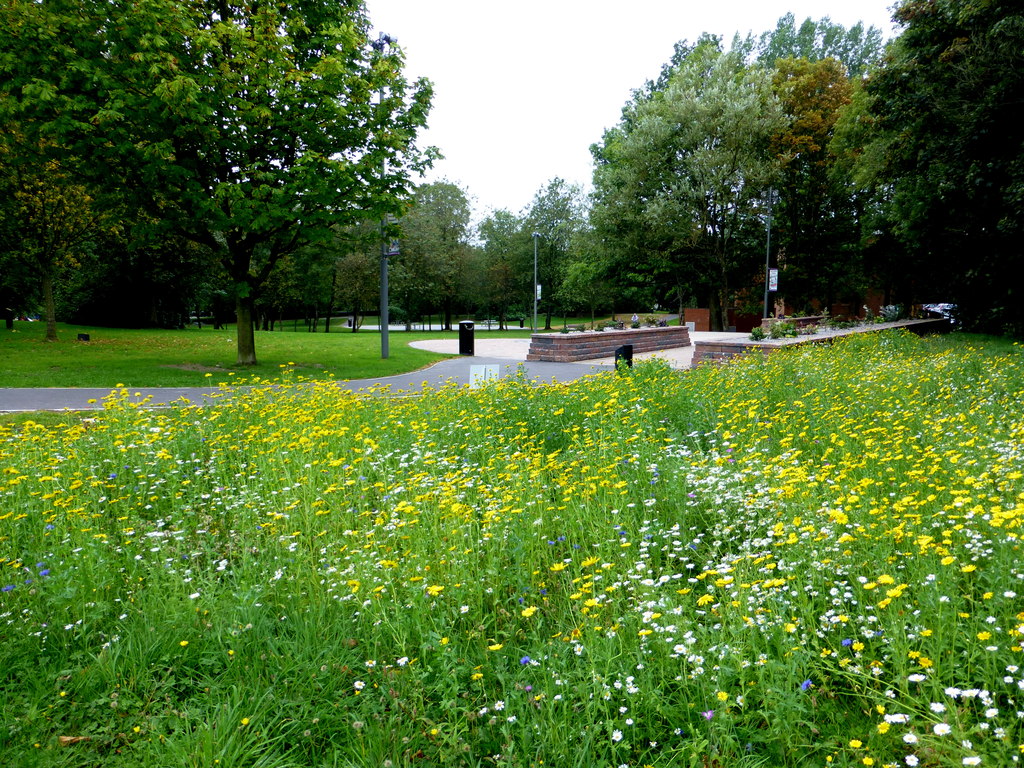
{"x": 773, "y": 279}
{"x": 538, "y": 291}
{"x": 481, "y": 374}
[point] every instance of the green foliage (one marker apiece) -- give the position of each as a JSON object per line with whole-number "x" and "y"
{"x": 251, "y": 129}
{"x": 677, "y": 182}
{"x": 947, "y": 103}
{"x": 783, "y": 329}
{"x": 431, "y": 270}
{"x": 857, "y": 49}
{"x": 556, "y": 213}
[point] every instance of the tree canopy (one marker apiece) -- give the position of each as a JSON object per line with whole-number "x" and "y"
{"x": 251, "y": 128}
{"x": 948, "y": 99}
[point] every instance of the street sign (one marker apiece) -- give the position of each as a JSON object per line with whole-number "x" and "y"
{"x": 773, "y": 279}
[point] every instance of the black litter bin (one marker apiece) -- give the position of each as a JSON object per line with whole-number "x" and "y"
{"x": 466, "y": 338}
{"x": 624, "y": 356}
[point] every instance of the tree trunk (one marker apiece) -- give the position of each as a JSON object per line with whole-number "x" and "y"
{"x": 49, "y": 308}
{"x": 330, "y": 301}
{"x": 246, "y": 333}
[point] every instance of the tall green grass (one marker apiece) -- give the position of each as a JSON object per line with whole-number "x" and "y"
{"x": 809, "y": 559}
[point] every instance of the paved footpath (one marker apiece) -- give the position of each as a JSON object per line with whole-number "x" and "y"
{"x": 455, "y": 370}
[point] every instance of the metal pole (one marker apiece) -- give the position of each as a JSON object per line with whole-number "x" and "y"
{"x": 768, "y": 251}
{"x": 378, "y": 45}
{"x": 536, "y": 236}
{"x": 383, "y": 289}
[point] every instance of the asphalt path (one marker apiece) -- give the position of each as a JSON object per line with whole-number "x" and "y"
{"x": 507, "y": 355}
{"x": 456, "y": 370}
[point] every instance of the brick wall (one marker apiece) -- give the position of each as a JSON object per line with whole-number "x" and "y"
{"x": 570, "y": 347}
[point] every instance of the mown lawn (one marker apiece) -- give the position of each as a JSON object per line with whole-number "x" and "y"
{"x": 811, "y": 559}
{"x": 199, "y": 357}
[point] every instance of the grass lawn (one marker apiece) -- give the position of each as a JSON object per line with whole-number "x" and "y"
{"x": 194, "y": 357}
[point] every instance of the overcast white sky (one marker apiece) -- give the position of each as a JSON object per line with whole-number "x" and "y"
{"x": 523, "y": 89}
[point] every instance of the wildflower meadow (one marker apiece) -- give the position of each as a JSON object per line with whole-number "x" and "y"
{"x": 806, "y": 559}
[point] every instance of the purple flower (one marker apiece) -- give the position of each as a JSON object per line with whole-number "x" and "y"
{"x": 7, "y": 588}
{"x": 847, "y": 642}
{"x": 805, "y": 685}
{"x": 525, "y": 660}
{"x": 45, "y": 572}
{"x": 709, "y": 714}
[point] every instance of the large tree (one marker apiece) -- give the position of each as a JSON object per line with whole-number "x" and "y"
{"x": 505, "y": 266}
{"x": 948, "y": 99}
{"x": 48, "y": 218}
{"x": 815, "y": 221}
{"x": 856, "y": 48}
{"x": 252, "y": 128}
{"x": 435, "y": 250}
{"x": 678, "y": 181}
{"x": 556, "y": 214}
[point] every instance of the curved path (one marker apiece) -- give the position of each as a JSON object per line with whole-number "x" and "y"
{"x": 508, "y": 354}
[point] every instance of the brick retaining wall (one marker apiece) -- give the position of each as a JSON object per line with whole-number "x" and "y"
{"x": 570, "y": 347}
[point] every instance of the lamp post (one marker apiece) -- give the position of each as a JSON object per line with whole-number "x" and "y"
{"x": 536, "y": 237}
{"x": 386, "y": 248}
{"x": 768, "y": 252}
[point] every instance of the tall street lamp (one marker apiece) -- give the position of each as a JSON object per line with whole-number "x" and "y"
{"x": 387, "y": 248}
{"x": 768, "y": 253}
{"x": 536, "y": 287}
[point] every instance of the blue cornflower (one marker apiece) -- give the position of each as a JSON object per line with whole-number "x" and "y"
{"x": 805, "y": 685}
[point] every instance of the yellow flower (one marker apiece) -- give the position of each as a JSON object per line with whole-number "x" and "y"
{"x": 722, "y": 696}
{"x": 495, "y": 647}
{"x": 183, "y": 643}
{"x": 529, "y": 611}
{"x": 557, "y": 567}
{"x": 856, "y": 743}
{"x": 245, "y": 721}
{"x": 477, "y": 676}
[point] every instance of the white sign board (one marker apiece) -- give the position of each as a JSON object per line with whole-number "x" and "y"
{"x": 481, "y": 374}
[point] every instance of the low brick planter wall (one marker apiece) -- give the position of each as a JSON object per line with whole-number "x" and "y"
{"x": 570, "y": 347}
{"x": 720, "y": 351}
